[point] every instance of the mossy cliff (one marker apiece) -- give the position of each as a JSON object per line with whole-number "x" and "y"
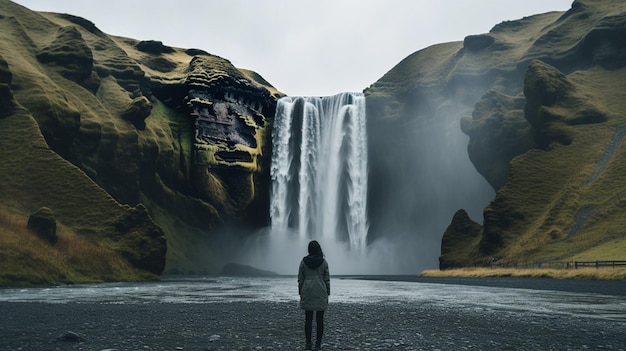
{"x": 130, "y": 143}
{"x": 542, "y": 100}
{"x": 149, "y": 158}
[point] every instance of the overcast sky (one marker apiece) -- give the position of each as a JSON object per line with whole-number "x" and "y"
{"x": 307, "y": 47}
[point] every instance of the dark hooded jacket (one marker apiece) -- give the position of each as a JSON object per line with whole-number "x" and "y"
{"x": 313, "y": 283}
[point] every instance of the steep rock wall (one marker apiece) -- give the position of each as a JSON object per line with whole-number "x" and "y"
{"x": 180, "y": 131}
{"x": 531, "y": 94}
{"x": 536, "y": 148}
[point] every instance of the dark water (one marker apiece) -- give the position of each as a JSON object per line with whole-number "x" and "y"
{"x": 459, "y": 295}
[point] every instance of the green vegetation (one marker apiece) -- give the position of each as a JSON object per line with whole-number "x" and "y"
{"x": 89, "y": 122}
{"x": 98, "y": 238}
{"x": 564, "y": 201}
{"x": 28, "y": 259}
{"x": 549, "y": 192}
{"x": 97, "y": 129}
{"x": 542, "y": 100}
{"x": 33, "y": 176}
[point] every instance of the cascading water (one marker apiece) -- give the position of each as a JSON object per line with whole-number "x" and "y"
{"x": 319, "y": 171}
{"x": 417, "y": 173}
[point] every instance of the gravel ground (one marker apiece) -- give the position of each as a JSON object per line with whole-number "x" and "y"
{"x": 279, "y": 326}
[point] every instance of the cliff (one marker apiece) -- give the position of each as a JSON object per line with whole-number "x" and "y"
{"x": 542, "y": 101}
{"x": 143, "y": 158}
{"x": 130, "y": 143}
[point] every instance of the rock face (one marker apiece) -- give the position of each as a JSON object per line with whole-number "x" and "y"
{"x": 462, "y": 232}
{"x": 69, "y": 55}
{"x": 6, "y": 95}
{"x": 230, "y": 131}
{"x": 135, "y": 230}
{"x": 560, "y": 124}
{"x": 43, "y": 223}
{"x": 150, "y": 150}
{"x": 498, "y": 132}
{"x": 177, "y": 137}
{"x": 538, "y": 98}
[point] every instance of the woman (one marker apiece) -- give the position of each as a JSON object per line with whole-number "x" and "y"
{"x": 314, "y": 288}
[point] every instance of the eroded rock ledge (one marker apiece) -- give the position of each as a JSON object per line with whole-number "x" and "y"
{"x": 227, "y": 109}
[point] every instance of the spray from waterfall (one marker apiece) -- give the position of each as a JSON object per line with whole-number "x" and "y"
{"x": 377, "y": 201}
{"x": 319, "y": 170}
{"x": 319, "y": 174}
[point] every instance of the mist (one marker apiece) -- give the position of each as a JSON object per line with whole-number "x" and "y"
{"x": 419, "y": 176}
{"x": 283, "y": 256}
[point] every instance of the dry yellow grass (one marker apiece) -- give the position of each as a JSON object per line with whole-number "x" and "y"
{"x": 604, "y": 273}
{"x": 28, "y": 259}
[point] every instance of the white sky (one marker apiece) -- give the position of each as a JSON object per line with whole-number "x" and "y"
{"x": 302, "y": 47}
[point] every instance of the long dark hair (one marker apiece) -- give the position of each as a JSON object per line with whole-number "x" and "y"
{"x": 315, "y": 249}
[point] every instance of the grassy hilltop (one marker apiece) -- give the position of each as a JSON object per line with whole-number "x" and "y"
{"x": 543, "y": 101}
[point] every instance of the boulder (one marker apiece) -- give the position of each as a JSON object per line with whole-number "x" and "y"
{"x": 153, "y": 47}
{"x": 43, "y": 223}
{"x": 71, "y": 336}
{"x": 478, "y": 42}
{"x": 196, "y": 52}
{"x": 137, "y": 111}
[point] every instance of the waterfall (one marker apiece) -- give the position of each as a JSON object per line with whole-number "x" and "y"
{"x": 319, "y": 170}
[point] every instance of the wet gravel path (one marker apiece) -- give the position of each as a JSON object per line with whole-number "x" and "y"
{"x": 278, "y": 326}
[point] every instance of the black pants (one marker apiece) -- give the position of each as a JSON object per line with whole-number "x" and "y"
{"x": 308, "y": 326}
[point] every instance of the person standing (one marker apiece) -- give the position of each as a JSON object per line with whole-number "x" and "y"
{"x": 314, "y": 288}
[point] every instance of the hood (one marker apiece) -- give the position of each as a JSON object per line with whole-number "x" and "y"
{"x": 313, "y": 261}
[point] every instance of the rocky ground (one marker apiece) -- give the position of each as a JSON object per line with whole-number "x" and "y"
{"x": 279, "y": 326}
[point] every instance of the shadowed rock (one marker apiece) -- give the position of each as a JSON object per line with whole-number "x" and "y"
{"x": 196, "y": 52}
{"x": 478, "y": 42}
{"x": 137, "y": 111}
{"x": 546, "y": 90}
{"x": 69, "y": 55}
{"x": 159, "y": 63}
{"x": 153, "y": 47}
{"x": 71, "y": 336}
{"x": 142, "y": 241}
{"x": 498, "y": 132}
{"x": 461, "y": 232}
{"x": 43, "y": 223}
{"x": 84, "y": 23}
{"x": 7, "y": 104}
{"x": 241, "y": 270}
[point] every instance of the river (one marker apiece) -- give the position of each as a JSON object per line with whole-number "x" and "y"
{"x": 202, "y": 290}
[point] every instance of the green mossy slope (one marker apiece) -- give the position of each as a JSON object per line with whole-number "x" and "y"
{"x": 103, "y": 131}
{"x": 542, "y": 100}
